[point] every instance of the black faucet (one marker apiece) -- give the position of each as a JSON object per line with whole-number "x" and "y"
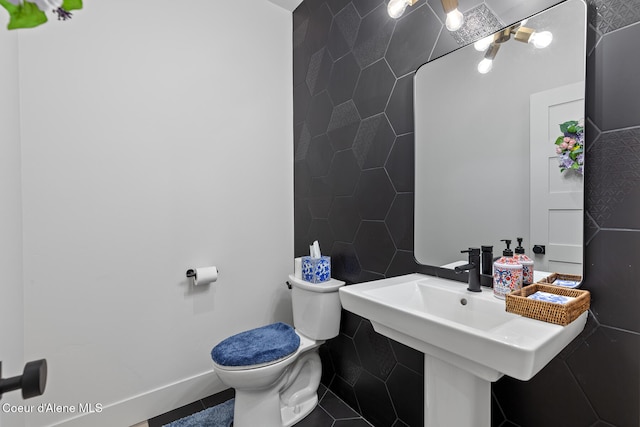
{"x": 473, "y": 267}
{"x": 486, "y": 272}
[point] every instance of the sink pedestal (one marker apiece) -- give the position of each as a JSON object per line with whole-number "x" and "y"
{"x": 457, "y": 391}
{"x": 454, "y": 397}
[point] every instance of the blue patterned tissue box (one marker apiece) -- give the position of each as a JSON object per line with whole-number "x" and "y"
{"x": 549, "y": 297}
{"x": 316, "y": 270}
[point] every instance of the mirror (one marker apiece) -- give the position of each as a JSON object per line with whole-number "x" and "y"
{"x": 486, "y": 160}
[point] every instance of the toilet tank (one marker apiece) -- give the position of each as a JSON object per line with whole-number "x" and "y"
{"x": 316, "y": 307}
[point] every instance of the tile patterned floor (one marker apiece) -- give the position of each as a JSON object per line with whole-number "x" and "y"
{"x": 331, "y": 411}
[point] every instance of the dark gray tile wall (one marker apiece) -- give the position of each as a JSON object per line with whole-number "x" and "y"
{"x": 353, "y": 124}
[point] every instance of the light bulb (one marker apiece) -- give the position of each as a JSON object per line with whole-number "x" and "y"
{"x": 482, "y": 44}
{"x": 396, "y": 8}
{"x": 454, "y": 21}
{"x": 485, "y": 66}
{"x": 541, "y": 39}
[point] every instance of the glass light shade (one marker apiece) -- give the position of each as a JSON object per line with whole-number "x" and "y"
{"x": 454, "y": 21}
{"x": 47, "y": 5}
{"x": 485, "y": 66}
{"x": 541, "y": 39}
{"x": 482, "y": 44}
{"x": 396, "y": 8}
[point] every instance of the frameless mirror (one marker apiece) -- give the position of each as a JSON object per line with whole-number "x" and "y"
{"x": 487, "y": 164}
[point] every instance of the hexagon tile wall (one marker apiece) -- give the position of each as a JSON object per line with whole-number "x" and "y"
{"x": 353, "y": 127}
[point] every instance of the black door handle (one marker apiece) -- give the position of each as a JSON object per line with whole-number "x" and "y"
{"x": 32, "y": 381}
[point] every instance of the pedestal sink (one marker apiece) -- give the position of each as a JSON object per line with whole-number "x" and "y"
{"x": 468, "y": 340}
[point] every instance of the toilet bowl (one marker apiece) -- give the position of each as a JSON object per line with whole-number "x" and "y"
{"x": 276, "y": 369}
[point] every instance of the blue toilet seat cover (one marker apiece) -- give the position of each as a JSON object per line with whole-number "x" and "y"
{"x": 257, "y": 346}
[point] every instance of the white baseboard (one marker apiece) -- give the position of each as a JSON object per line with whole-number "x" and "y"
{"x": 147, "y": 405}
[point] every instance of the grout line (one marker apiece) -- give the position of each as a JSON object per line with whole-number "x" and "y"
{"x": 359, "y": 417}
{"x": 615, "y": 328}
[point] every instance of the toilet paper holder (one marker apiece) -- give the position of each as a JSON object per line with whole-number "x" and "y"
{"x": 203, "y": 275}
{"x": 192, "y": 272}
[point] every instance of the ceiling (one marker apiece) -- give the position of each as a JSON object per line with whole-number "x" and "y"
{"x": 289, "y": 5}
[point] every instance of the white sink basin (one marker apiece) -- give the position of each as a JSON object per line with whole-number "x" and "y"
{"x": 468, "y": 338}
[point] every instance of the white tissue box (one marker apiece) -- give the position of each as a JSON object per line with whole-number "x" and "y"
{"x": 316, "y": 270}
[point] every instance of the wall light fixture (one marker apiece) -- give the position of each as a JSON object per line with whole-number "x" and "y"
{"x": 396, "y": 8}
{"x": 454, "y": 20}
{"x": 491, "y": 44}
{"x": 487, "y": 62}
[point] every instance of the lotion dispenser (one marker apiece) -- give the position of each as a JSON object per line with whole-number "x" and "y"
{"x": 507, "y": 273}
{"x": 527, "y": 263}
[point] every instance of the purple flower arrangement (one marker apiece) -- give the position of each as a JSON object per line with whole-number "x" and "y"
{"x": 570, "y": 146}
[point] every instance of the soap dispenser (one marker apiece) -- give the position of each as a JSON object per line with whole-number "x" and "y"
{"x": 527, "y": 263}
{"x": 507, "y": 273}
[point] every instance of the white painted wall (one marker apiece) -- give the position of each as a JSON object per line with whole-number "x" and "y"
{"x": 155, "y": 137}
{"x": 11, "y": 324}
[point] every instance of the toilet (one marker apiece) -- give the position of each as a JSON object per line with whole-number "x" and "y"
{"x": 276, "y": 369}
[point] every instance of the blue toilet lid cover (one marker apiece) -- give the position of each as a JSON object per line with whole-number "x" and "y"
{"x": 257, "y": 346}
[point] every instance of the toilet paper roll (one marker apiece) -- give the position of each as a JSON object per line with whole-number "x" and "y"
{"x": 203, "y": 275}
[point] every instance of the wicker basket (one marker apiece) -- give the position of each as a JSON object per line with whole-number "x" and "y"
{"x": 560, "y": 276}
{"x": 560, "y": 314}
